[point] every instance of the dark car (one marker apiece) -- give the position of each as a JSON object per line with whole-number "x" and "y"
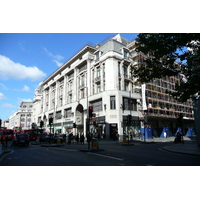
{"x": 54, "y": 139}
{"x": 21, "y": 140}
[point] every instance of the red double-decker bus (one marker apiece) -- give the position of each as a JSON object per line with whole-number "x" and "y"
{"x": 33, "y": 135}
{"x": 3, "y": 129}
{"x": 17, "y": 129}
{"x": 9, "y": 133}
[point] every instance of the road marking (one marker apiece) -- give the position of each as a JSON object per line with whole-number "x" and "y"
{"x": 65, "y": 149}
{"x": 2, "y": 157}
{"x": 106, "y": 156}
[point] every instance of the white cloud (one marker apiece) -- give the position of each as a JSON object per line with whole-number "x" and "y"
{"x": 12, "y": 70}
{"x": 23, "y": 100}
{"x": 57, "y": 57}
{"x": 24, "y": 89}
{"x": 8, "y": 105}
{"x": 2, "y": 97}
{"x": 59, "y": 64}
{"x": 3, "y": 86}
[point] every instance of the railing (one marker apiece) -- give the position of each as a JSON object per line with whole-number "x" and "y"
{"x": 97, "y": 79}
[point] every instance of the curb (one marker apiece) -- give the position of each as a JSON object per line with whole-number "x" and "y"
{"x": 179, "y": 152}
{"x": 125, "y": 144}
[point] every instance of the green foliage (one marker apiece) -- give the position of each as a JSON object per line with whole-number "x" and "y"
{"x": 170, "y": 54}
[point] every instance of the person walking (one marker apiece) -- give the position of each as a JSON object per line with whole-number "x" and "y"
{"x": 89, "y": 138}
{"x": 70, "y": 138}
{"x": 82, "y": 138}
{"x": 77, "y": 138}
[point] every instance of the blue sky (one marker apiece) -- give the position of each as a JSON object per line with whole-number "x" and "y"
{"x": 26, "y": 59}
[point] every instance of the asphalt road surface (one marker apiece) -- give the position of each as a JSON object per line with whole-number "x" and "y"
{"x": 113, "y": 154}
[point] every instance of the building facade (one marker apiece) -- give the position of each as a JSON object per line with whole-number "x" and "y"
{"x": 23, "y": 116}
{"x": 161, "y": 109}
{"x": 100, "y": 76}
{"x": 96, "y": 76}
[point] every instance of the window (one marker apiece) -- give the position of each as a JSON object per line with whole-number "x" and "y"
{"x": 126, "y": 84}
{"x": 125, "y": 54}
{"x": 82, "y": 94}
{"x": 112, "y": 102}
{"x": 97, "y": 105}
{"x": 98, "y": 87}
{"x": 68, "y": 112}
{"x": 70, "y": 98}
{"x": 119, "y": 67}
{"x": 119, "y": 84}
{"x": 98, "y": 72}
{"x": 125, "y": 70}
{"x": 83, "y": 80}
{"x": 97, "y": 56}
{"x": 103, "y": 70}
{"x": 129, "y": 104}
{"x": 104, "y": 86}
{"x": 58, "y": 115}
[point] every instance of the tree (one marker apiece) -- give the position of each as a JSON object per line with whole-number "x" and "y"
{"x": 171, "y": 54}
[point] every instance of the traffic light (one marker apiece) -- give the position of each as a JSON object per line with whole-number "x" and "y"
{"x": 41, "y": 124}
{"x": 129, "y": 119}
{"x": 74, "y": 125}
{"x": 0, "y": 123}
{"x": 90, "y": 112}
{"x": 50, "y": 120}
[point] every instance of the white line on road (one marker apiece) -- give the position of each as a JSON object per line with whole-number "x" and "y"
{"x": 106, "y": 156}
{"x": 65, "y": 149}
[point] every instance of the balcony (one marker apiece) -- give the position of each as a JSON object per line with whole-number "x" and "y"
{"x": 97, "y": 79}
{"x": 81, "y": 87}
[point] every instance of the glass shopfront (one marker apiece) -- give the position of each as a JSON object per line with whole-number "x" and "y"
{"x": 133, "y": 129}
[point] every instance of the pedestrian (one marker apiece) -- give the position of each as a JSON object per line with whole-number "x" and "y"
{"x": 77, "y": 138}
{"x": 140, "y": 135}
{"x": 117, "y": 136}
{"x": 82, "y": 138}
{"x": 14, "y": 142}
{"x": 2, "y": 142}
{"x": 70, "y": 138}
{"x": 64, "y": 137}
{"x": 6, "y": 141}
{"x": 89, "y": 138}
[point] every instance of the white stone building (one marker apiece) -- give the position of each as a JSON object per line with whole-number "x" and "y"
{"x": 98, "y": 76}
{"x": 23, "y": 116}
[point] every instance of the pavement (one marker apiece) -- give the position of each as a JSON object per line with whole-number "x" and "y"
{"x": 189, "y": 146}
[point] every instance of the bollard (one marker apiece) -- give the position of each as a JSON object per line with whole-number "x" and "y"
{"x": 58, "y": 141}
{"x": 95, "y": 144}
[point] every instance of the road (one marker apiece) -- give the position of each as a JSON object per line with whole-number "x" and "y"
{"x": 114, "y": 154}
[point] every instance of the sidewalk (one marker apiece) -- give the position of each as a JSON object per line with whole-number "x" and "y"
{"x": 189, "y": 147}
